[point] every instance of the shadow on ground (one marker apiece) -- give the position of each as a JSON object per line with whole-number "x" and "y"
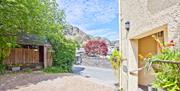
{"x": 78, "y": 70}
{"x": 14, "y": 80}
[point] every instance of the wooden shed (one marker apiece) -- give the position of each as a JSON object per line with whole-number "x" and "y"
{"x": 32, "y": 51}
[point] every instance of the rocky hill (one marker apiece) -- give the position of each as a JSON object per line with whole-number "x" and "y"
{"x": 76, "y": 34}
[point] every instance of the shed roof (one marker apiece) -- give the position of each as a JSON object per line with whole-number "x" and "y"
{"x": 30, "y": 39}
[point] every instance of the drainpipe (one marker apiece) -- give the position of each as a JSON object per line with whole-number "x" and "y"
{"x": 120, "y": 38}
{"x": 127, "y": 59}
{"x": 127, "y": 27}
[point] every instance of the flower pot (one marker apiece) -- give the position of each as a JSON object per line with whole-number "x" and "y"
{"x": 15, "y": 68}
{"x": 160, "y": 89}
{"x": 117, "y": 89}
{"x": 150, "y": 88}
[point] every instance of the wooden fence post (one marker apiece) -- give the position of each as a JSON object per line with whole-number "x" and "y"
{"x": 45, "y": 57}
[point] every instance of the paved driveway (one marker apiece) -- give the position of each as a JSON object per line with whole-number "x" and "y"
{"x": 98, "y": 79}
{"x": 71, "y": 83}
{"x": 40, "y": 81}
{"x": 101, "y": 74}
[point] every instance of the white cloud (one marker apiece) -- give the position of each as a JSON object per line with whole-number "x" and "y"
{"x": 89, "y": 11}
{"x": 86, "y": 13}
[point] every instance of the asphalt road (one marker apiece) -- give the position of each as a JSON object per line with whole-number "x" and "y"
{"x": 101, "y": 74}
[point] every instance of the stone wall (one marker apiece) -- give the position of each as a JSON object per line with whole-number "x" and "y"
{"x": 96, "y": 62}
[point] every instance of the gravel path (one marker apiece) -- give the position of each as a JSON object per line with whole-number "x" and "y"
{"x": 39, "y": 81}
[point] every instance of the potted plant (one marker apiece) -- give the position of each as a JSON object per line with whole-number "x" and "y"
{"x": 16, "y": 67}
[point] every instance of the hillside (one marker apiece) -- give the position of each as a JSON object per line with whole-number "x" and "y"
{"x": 77, "y": 34}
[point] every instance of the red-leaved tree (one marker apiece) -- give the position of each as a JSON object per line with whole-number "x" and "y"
{"x": 96, "y": 47}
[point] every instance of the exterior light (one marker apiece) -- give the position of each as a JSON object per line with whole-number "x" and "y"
{"x": 127, "y": 25}
{"x": 160, "y": 34}
{"x": 35, "y": 50}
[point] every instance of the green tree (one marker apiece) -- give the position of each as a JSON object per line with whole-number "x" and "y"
{"x": 39, "y": 17}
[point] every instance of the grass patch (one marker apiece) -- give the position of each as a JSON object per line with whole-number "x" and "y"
{"x": 55, "y": 69}
{"x": 29, "y": 70}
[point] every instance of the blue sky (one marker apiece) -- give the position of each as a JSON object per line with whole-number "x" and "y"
{"x": 95, "y": 17}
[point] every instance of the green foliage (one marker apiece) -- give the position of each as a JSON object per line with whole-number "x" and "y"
{"x": 29, "y": 16}
{"x": 78, "y": 45}
{"x": 39, "y": 17}
{"x": 2, "y": 68}
{"x": 4, "y": 52}
{"x": 167, "y": 75}
{"x": 168, "y": 79}
{"x": 168, "y": 54}
{"x": 64, "y": 52}
{"x": 115, "y": 60}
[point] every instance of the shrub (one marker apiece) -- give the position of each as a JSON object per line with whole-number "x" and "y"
{"x": 4, "y": 52}
{"x": 2, "y": 68}
{"x": 64, "y": 53}
{"x": 96, "y": 47}
{"x": 167, "y": 75}
{"x": 115, "y": 60}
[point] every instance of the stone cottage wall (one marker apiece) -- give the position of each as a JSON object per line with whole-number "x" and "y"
{"x": 144, "y": 16}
